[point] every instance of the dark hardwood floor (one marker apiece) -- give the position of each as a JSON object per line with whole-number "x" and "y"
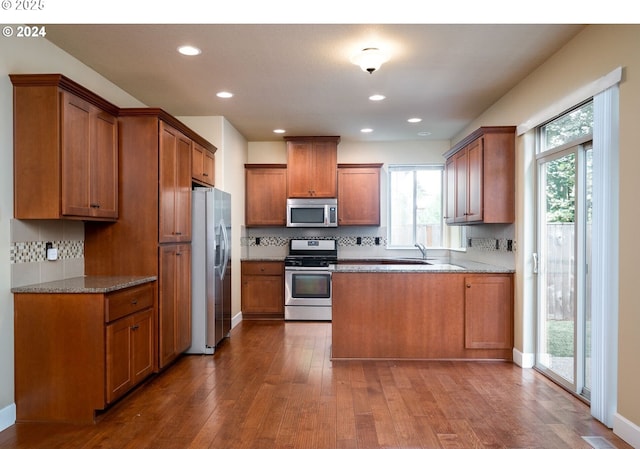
{"x": 273, "y": 385}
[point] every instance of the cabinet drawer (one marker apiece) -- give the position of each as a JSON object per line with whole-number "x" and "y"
{"x": 130, "y": 300}
{"x": 263, "y": 268}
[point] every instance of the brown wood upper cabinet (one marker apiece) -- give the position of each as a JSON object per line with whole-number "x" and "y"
{"x": 175, "y": 185}
{"x": 311, "y": 166}
{"x": 265, "y": 194}
{"x": 359, "y": 194}
{"x": 202, "y": 165}
{"x": 480, "y": 177}
{"x": 65, "y": 150}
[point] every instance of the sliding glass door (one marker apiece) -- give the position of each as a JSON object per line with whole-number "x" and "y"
{"x": 563, "y": 258}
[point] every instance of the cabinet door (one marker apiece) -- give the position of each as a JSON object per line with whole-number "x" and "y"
{"x": 119, "y": 374}
{"x": 183, "y": 298}
{"x": 174, "y": 186}
{"x": 76, "y": 169}
{"x": 262, "y": 293}
{"x": 174, "y": 302}
{"x": 129, "y": 352}
{"x": 475, "y": 193}
{"x": 104, "y": 166}
{"x": 209, "y": 168}
{"x": 197, "y": 161}
{"x": 183, "y": 190}
{"x": 359, "y": 196}
{"x": 142, "y": 349}
{"x": 323, "y": 173}
{"x": 167, "y": 305}
{"x": 265, "y": 196}
{"x": 89, "y": 160}
{"x": 202, "y": 164}
{"x": 299, "y": 169}
{"x": 450, "y": 194}
{"x": 461, "y": 164}
{"x": 488, "y": 312}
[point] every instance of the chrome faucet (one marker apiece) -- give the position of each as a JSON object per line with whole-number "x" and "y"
{"x": 422, "y": 249}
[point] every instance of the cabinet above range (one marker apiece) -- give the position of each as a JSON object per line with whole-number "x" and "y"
{"x": 311, "y": 166}
{"x": 65, "y": 150}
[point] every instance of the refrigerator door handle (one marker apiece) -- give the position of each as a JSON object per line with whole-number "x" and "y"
{"x": 225, "y": 248}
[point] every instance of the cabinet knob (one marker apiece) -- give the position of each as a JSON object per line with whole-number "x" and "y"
{"x": 135, "y": 327}
{"x": 468, "y": 285}
{"x": 134, "y": 302}
{"x": 205, "y": 174}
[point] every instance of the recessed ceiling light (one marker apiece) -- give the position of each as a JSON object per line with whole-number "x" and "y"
{"x": 424, "y": 133}
{"x": 224, "y": 94}
{"x": 377, "y": 97}
{"x": 366, "y": 130}
{"x": 279, "y": 131}
{"x": 414, "y": 120}
{"x": 189, "y": 50}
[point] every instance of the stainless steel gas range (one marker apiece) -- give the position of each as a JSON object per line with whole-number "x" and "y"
{"x": 308, "y": 279}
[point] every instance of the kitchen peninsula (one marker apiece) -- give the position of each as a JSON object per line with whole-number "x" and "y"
{"x": 422, "y": 311}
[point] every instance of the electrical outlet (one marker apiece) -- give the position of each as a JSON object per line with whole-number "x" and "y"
{"x": 51, "y": 252}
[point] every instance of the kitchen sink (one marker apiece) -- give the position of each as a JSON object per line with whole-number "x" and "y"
{"x": 408, "y": 261}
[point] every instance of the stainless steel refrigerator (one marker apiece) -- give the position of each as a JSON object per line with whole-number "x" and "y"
{"x": 210, "y": 269}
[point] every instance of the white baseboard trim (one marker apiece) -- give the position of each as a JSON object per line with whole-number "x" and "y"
{"x": 236, "y": 319}
{"x": 626, "y": 430}
{"x": 523, "y": 360}
{"x": 7, "y": 416}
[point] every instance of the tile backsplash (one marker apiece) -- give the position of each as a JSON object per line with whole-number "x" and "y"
{"x": 493, "y": 244}
{"x": 29, "y": 264}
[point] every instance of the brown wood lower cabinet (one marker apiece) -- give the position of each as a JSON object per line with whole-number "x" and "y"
{"x": 262, "y": 289}
{"x": 422, "y": 316}
{"x": 174, "y": 302}
{"x": 129, "y": 352}
{"x": 76, "y": 353}
{"x": 488, "y": 312}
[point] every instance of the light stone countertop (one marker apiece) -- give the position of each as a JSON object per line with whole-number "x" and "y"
{"x": 85, "y": 284}
{"x": 343, "y": 266}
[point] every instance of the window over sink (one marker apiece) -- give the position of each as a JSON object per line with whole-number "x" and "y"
{"x": 415, "y": 208}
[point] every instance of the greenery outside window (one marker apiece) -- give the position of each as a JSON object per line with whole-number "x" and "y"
{"x": 415, "y": 206}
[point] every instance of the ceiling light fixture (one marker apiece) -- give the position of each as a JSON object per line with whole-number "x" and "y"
{"x": 377, "y": 97}
{"x": 189, "y": 50}
{"x": 279, "y": 131}
{"x": 366, "y": 130}
{"x": 370, "y": 59}
{"x": 414, "y": 120}
{"x": 224, "y": 94}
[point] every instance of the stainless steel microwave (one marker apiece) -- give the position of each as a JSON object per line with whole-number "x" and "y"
{"x": 312, "y": 212}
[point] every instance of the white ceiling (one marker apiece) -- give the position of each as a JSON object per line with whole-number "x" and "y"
{"x": 300, "y": 78}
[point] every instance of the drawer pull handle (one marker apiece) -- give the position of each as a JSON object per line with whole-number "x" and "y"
{"x": 95, "y": 206}
{"x": 134, "y": 302}
{"x": 135, "y": 327}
